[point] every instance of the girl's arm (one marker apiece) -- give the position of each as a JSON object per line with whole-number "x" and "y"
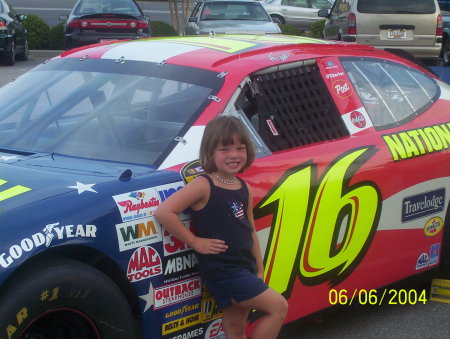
{"x": 256, "y": 248}
{"x": 195, "y": 193}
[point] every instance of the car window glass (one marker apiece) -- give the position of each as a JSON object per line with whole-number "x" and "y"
{"x": 298, "y": 3}
{"x": 195, "y": 11}
{"x": 291, "y": 107}
{"x": 234, "y": 11}
{"x": 106, "y": 6}
{"x": 391, "y": 93}
{"x": 102, "y": 115}
{"x": 397, "y": 6}
{"x": 320, "y": 4}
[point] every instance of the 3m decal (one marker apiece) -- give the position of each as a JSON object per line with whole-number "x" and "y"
{"x": 172, "y": 245}
{"x": 321, "y": 229}
{"x": 433, "y": 226}
{"x": 45, "y": 238}
{"x": 423, "y": 204}
{"x": 138, "y": 233}
{"x": 417, "y": 142}
{"x": 181, "y": 323}
{"x": 13, "y": 191}
{"x": 144, "y": 263}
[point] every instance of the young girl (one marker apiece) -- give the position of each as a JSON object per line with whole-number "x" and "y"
{"x": 226, "y": 242}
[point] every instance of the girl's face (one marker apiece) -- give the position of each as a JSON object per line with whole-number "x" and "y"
{"x": 230, "y": 159}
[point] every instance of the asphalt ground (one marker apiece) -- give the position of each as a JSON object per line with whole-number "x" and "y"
{"x": 410, "y": 321}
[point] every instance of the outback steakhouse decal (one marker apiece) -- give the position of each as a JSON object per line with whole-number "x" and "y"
{"x": 417, "y": 142}
{"x": 307, "y": 218}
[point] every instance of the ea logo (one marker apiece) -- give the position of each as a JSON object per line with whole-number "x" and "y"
{"x": 358, "y": 119}
{"x": 215, "y": 330}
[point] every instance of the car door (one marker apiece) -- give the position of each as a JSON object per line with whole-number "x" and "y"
{"x": 329, "y": 188}
{"x": 192, "y": 26}
{"x": 296, "y": 12}
{"x": 16, "y": 27}
{"x": 336, "y": 22}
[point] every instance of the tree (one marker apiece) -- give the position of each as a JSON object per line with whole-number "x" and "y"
{"x": 174, "y": 8}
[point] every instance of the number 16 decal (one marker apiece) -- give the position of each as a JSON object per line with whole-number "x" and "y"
{"x": 321, "y": 227}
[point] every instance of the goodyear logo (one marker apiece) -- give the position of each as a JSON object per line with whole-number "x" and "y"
{"x": 433, "y": 226}
{"x": 417, "y": 142}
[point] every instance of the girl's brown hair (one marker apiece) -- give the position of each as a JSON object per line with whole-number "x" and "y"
{"x": 220, "y": 131}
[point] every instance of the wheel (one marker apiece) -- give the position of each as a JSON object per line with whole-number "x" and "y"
{"x": 446, "y": 52}
{"x": 24, "y": 55}
{"x": 64, "y": 300}
{"x": 279, "y": 17}
{"x": 10, "y": 58}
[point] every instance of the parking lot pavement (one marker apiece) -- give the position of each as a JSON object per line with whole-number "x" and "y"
{"x": 10, "y": 73}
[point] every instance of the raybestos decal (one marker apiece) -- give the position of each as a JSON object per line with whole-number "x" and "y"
{"x": 309, "y": 215}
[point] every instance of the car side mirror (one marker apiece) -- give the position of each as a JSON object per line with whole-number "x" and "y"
{"x": 21, "y": 17}
{"x": 323, "y": 13}
{"x": 63, "y": 17}
{"x": 276, "y": 20}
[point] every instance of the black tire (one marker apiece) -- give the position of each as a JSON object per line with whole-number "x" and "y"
{"x": 10, "y": 57}
{"x": 26, "y": 52}
{"x": 279, "y": 17}
{"x": 64, "y": 300}
{"x": 446, "y": 53}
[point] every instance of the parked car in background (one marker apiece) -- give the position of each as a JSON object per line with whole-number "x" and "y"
{"x": 350, "y": 182}
{"x": 299, "y": 13}
{"x": 444, "y": 5}
{"x": 13, "y": 35}
{"x": 230, "y": 16}
{"x": 96, "y": 21}
{"x": 414, "y": 26}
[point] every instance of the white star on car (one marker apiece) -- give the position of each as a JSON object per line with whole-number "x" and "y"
{"x": 83, "y": 187}
{"x": 148, "y": 298}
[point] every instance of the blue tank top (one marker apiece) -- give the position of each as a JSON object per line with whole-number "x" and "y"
{"x": 225, "y": 217}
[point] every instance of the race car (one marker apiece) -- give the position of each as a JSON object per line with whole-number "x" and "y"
{"x": 349, "y": 183}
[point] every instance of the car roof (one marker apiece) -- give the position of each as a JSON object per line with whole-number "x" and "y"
{"x": 209, "y": 52}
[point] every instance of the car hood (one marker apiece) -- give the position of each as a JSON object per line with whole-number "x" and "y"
{"x": 239, "y": 26}
{"x": 28, "y": 177}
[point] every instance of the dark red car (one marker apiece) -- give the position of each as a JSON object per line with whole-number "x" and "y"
{"x": 94, "y": 21}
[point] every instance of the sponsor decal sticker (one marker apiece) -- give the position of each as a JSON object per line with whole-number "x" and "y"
{"x": 172, "y": 245}
{"x": 434, "y": 254}
{"x": 423, "y": 261}
{"x": 137, "y": 204}
{"x": 191, "y": 170}
{"x": 144, "y": 263}
{"x": 180, "y": 267}
{"x": 45, "y": 238}
{"x": 333, "y": 75}
{"x": 215, "y": 330}
{"x": 184, "y": 310}
{"x": 423, "y": 204}
{"x": 195, "y": 332}
{"x": 342, "y": 88}
{"x": 181, "y": 323}
{"x": 433, "y": 226}
{"x": 172, "y": 294}
{"x": 138, "y": 233}
{"x": 417, "y": 142}
{"x": 12, "y": 191}
{"x": 357, "y": 120}
{"x": 165, "y": 191}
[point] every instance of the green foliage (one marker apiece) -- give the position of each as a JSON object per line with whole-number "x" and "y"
{"x": 316, "y": 29}
{"x": 289, "y": 30}
{"x": 38, "y": 32}
{"x": 56, "y": 36}
{"x": 159, "y": 28}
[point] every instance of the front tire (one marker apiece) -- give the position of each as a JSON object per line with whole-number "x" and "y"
{"x": 64, "y": 300}
{"x": 279, "y": 17}
{"x": 26, "y": 52}
{"x": 446, "y": 52}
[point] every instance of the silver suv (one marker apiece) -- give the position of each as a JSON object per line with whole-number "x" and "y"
{"x": 412, "y": 26}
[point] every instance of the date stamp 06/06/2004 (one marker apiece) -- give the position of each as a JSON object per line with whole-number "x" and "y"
{"x": 376, "y": 297}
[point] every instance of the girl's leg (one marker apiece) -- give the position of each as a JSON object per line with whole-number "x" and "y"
{"x": 275, "y": 307}
{"x": 234, "y": 320}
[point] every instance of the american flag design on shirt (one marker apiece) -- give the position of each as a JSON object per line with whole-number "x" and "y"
{"x": 237, "y": 207}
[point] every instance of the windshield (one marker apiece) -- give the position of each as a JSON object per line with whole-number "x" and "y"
{"x": 397, "y": 6}
{"x": 107, "y": 6}
{"x": 101, "y": 109}
{"x": 223, "y": 10}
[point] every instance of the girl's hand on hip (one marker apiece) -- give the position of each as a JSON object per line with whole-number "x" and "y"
{"x": 209, "y": 246}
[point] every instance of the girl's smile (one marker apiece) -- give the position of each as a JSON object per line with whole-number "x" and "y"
{"x": 229, "y": 159}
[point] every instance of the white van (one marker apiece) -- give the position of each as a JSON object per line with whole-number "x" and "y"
{"x": 414, "y": 26}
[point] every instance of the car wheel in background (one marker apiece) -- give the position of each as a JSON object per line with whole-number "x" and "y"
{"x": 10, "y": 57}
{"x": 24, "y": 55}
{"x": 64, "y": 299}
{"x": 279, "y": 17}
{"x": 446, "y": 52}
